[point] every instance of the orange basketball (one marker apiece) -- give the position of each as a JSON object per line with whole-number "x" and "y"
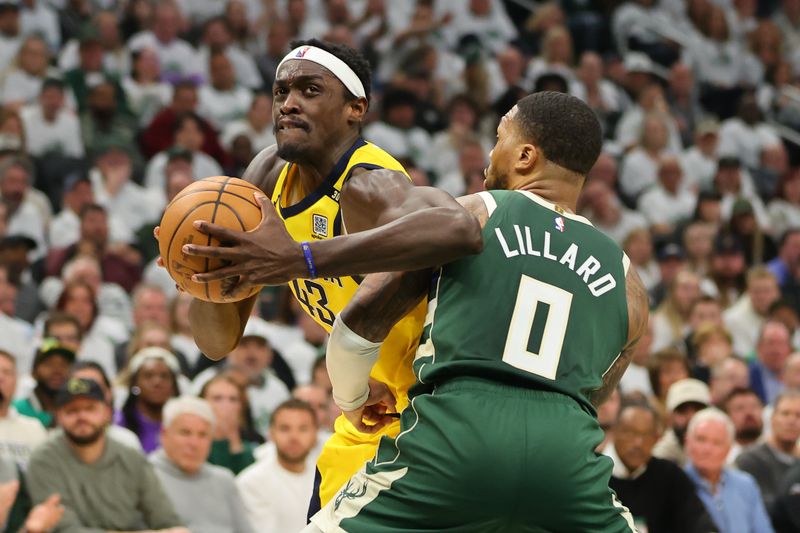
{"x": 221, "y": 200}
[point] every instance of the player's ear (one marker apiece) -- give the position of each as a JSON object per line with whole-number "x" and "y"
{"x": 357, "y": 109}
{"x": 527, "y": 157}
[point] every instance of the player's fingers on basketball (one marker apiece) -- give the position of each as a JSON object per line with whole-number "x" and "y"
{"x": 218, "y": 274}
{"x": 217, "y": 252}
{"x": 221, "y": 233}
{"x": 156, "y": 231}
{"x": 159, "y": 261}
{"x": 267, "y": 209}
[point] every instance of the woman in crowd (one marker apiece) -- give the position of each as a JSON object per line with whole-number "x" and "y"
{"x": 235, "y": 438}
{"x": 153, "y": 380}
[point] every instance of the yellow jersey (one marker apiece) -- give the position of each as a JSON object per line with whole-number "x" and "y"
{"x": 318, "y": 216}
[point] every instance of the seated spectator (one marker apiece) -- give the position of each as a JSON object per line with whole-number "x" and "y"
{"x": 23, "y": 82}
{"x": 177, "y": 57}
{"x": 744, "y": 408}
{"x": 15, "y": 252}
{"x": 94, "y": 372}
{"x": 25, "y": 214}
{"x": 784, "y": 208}
{"x": 727, "y": 274}
{"x": 698, "y": 241}
{"x": 731, "y": 497}
{"x": 160, "y": 134}
{"x": 667, "y": 203}
{"x": 276, "y": 489}
{"x": 463, "y": 121}
{"x": 607, "y": 413}
{"x": 319, "y": 400}
{"x": 772, "y": 351}
{"x": 684, "y": 400}
{"x": 636, "y": 377}
{"x": 638, "y": 246}
{"x": 758, "y": 245}
{"x": 66, "y": 329}
{"x": 786, "y": 511}
{"x": 671, "y": 318}
{"x": 732, "y": 373}
{"x": 19, "y": 434}
{"x": 631, "y": 126}
{"x": 149, "y": 304}
{"x": 119, "y": 263}
{"x": 733, "y": 184}
{"x": 472, "y": 159}
{"x": 235, "y": 439}
{"x": 51, "y": 367}
{"x": 639, "y": 170}
{"x": 145, "y": 93}
{"x": 600, "y": 94}
{"x": 603, "y": 207}
{"x": 666, "y": 368}
{"x": 218, "y": 37}
{"x": 204, "y": 495}
{"x": 768, "y": 462}
{"x": 256, "y": 125}
{"x": 15, "y": 335}
{"x": 222, "y": 100}
{"x": 88, "y": 470}
{"x": 711, "y": 344}
{"x": 65, "y": 228}
{"x": 153, "y": 380}
{"x": 188, "y": 137}
{"x": 114, "y": 188}
{"x": 105, "y": 118}
{"x": 700, "y": 159}
{"x": 684, "y": 102}
{"x": 788, "y": 259}
{"x": 253, "y": 358}
{"x": 657, "y": 492}
{"x": 745, "y": 318}
{"x": 396, "y": 131}
{"x": 50, "y": 127}
{"x": 746, "y": 134}
{"x": 116, "y": 55}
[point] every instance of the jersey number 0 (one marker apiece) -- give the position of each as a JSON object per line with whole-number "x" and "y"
{"x": 538, "y": 326}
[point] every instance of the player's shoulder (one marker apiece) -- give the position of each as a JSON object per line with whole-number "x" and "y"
{"x": 265, "y": 168}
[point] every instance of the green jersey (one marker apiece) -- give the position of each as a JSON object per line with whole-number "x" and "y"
{"x": 543, "y": 306}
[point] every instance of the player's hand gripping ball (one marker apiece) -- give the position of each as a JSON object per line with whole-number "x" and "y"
{"x": 220, "y": 200}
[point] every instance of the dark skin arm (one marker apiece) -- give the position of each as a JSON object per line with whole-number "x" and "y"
{"x": 384, "y": 214}
{"x": 638, "y": 312}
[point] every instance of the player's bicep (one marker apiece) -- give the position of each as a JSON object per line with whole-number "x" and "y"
{"x": 378, "y": 197}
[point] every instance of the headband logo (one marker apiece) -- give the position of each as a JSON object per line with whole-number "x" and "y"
{"x": 302, "y": 52}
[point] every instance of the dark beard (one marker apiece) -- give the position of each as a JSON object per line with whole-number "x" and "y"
{"x": 680, "y": 433}
{"x": 292, "y": 153}
{"x": 88, "y": 439}
{"x": 748, "y": 435}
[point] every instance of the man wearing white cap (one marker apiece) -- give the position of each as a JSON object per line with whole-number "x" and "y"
{"x": 323, "y": 180}
{"x": 684, "y": 399}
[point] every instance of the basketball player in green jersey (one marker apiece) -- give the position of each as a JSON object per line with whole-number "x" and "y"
{"x": 521, "y": 344}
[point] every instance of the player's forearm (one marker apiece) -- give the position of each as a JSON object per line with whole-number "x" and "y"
{"x": 428, "y": 238}
{"x": 217, "y": 327}
{"x": 382, "y": 300}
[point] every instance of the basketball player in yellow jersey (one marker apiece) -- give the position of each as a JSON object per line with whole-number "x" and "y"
{"x": 325, "y": 181}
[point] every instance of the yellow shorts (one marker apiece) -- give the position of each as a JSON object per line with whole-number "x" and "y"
{"x": 345, "y": 454}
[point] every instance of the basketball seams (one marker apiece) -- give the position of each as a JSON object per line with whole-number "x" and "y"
{"x": 239, "y": 216}
{"x": 245, "y": 198}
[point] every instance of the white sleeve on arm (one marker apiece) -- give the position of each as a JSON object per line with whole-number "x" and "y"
{"x": 350, "y": 358}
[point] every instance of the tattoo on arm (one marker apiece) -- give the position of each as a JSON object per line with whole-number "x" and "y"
{"x": 382, "y": 300}
{"x": 638, "y": 312}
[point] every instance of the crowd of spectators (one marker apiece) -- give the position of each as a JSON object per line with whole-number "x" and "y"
{"x": 112, "y": 419}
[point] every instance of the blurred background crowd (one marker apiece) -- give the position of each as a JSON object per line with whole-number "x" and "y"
{"x": 112, "y": 419}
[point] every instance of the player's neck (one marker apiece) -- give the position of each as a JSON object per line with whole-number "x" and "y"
{"x": 559, "y": 192}
{"x": 312, "y": 173}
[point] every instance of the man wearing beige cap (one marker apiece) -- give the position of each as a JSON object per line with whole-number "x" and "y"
{"x": 685, "y": 398}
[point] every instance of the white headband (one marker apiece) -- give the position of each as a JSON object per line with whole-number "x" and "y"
{"x": 338, "y": 68}
{"x": 154, "y": 352}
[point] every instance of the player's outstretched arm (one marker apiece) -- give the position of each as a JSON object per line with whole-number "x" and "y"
{"x": 638, "y": 313}
{"x": 392, "y": 226}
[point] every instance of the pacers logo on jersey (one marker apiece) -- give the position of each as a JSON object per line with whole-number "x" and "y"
{"x": 319, "y": 226}
{"x": 560, "y": 224}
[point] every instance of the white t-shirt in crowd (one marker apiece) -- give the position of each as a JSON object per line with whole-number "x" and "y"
{"x": 222, "y": 107}
{"x": 19, "y": 435}
{"x": 63, "y": 135}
